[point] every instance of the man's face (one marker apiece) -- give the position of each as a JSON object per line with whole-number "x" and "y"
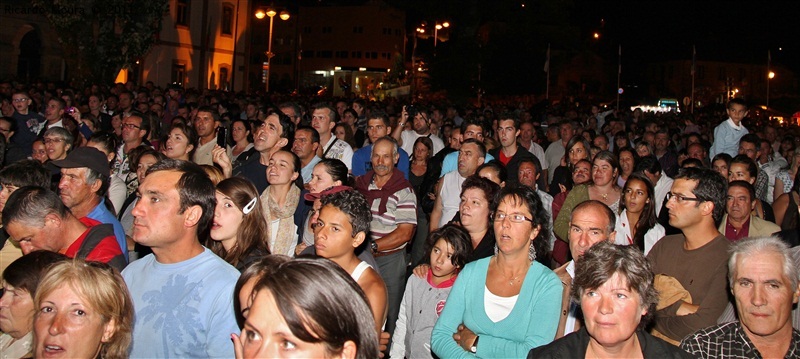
{"x": 157, "y": 219}
{"x": 473, "y": 131}
{"x": 527, "y": 174}
{"x": 686, "y": 214}
{"x": 526, "y": 132}
{"x": 132, "y": 129}
{"x": 750, "y": 150}
{"x": 73, "y": 188}
{"x": 764, "y": 295}
{"x": 771, "y": 134}
{"x": 376, "y": 129}
{"x": 508, "y": 134}
{"x": 141, "y": 97}
{"x": 289, "y": 111}
{"x": 455, "y": 139}
{"x": 588, "y": 227}
{"x": 739, "y": 204}
{"x": 581, "y": 173}
{"x": 661, "y": 141}
{"x": 21, "y": 103}
{"x": 421, "y": 124}
{"x": 469, "y": 158}
{"x": 33, "y": 238}
{"x": 737, "y": 112}
{"x": 696, "y": 151}
{"x": 268, "y": 134}
{"x": 601, "y": 142}
{"x": 111, "y": 103}
{"x": 125, "y": 101}
{"x": 383, "y": 159}
{"x": 302, "y": 145}
{"x": 340, "y": 107}
{"x": 53, "y": 111}
{"x": 566, "y": 131}
{"x": 322, "y": 122}
{"x": 764, "y": 151}
{"x": 205, "y": 125}
{"x": 5, "y": 129}
{"x": 333, "y": 234}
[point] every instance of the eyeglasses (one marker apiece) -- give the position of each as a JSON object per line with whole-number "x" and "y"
{"x": 681, "y": 199}
{"x": 130, "y": 126}
{"x": 20, "y": 99}
{"x": 53, "y": 140}
{"x": 515, "y": 218}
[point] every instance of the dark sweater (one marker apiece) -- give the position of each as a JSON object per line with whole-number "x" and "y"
{"x": 575, "y": 345}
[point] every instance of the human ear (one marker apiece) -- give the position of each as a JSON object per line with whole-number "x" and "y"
{"x": 349, "y": 350}
{"x": 108, "y": 331}
{"x": 358, "y": 239}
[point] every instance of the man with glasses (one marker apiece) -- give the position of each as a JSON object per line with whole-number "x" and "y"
{"x": 728, "y": 133}
{"x": 134, "y": 131}
{"x": 27, "y": 123}
{"x": 691, "y": 265}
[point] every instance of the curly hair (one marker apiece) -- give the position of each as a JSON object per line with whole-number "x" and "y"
{"x": 354, "y": 205}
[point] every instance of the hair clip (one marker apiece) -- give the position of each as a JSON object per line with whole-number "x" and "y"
{"x": 250, "y": 205}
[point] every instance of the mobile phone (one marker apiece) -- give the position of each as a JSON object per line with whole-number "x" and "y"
{"x": 222, "y": 137}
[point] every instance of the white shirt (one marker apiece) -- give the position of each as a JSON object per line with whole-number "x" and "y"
{"x": 553, "y": 155}
{"x": 569, "y": 325}
{"x": 624, "y": 237}
{"x": 340, "y": 151}
{"x": 450, "y": 193}
{"x": 537, "y": 150}
{"x": 663, "y": 186}
{"x": 497, "y": 307}
{"x": 411, "y": 136}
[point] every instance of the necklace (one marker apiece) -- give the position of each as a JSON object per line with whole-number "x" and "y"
{"x": 605, "y": 196}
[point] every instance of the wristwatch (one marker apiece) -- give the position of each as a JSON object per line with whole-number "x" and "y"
{"x": 474, "y": 347}
{"x": 373, "y": 246}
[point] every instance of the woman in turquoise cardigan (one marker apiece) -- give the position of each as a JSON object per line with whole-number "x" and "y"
{"x": 504, "y": 305}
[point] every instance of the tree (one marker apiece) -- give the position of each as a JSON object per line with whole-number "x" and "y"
{"x": 101, "y": 37}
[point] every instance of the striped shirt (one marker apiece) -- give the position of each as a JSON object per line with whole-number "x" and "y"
{"x": 401, "y": 208}
{"x": 729, "y": 340}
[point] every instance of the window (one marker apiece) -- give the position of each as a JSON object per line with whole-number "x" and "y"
{"x": 306, "y": 29}
{"x": 308, "y": 54}
{"x": 223, "y": 78}
{"x": 375, "y": 55}
{"x": 341, "y": 54}
{"x": 355, "y": 54}
{"x": 326, "y": 54}
{"x": 227, "y": 22}
{"x": 182, "y": 13}
{"x": 178, "y": 72}
{"x": 358, "y": 29}
{"x": 327, "y": 29}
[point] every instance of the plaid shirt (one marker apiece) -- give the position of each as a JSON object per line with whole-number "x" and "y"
{"x": 729, "y": 340}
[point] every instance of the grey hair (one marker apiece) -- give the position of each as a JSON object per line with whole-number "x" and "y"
{"x": 751, "y": 246}
{"x": 604, "y": 259}
{"x": 386, "y": 139}
{"x": 63, "y": 133}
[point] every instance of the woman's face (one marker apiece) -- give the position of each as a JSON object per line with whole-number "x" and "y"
{"x": 577, "y": 153}
{"x": 239, "y": 132}
{"x": 144, "y": 163}
{"x": 602, "y": 172}
{"x": 227, "y": 218}
{"x": 721, "y": 167}
{"x": 66, "y": 326}
{"x": 178, "y": 146}
{"x": 266, "y": 334}
{"x": 620, "y": 142}
{"x": 626, "y": 162}
{"x": 474, "y": 209}
{"x": 321, "y": 179}
{"x": 116, "y": 124}
{"x": 16, "y": 311}
{"x": 39, "y": 152}
{"x": 612, "y": 312}
{"x": 582, "y": 173}
{"x": 56, "y": 147}
{"x": 281, "y": 168}
{"x": 738, "y": 171}
{"x": 635, "y": 196}
{"x": 514, "y": 237}
{"x": 349, "y": 119}
{"x": 94, "y": 103}
{"x": 421, "y": 151}
{"x": 642, "y": 151}
{"x": 339, "y": 133}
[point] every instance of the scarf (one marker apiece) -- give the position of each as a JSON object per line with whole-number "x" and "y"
{"x": 282, "y": 243}
{"x": 395, "y": 183}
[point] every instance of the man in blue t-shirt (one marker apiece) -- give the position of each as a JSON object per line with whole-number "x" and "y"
{"x": 378, "y": 126}
{"x": 182, "y": 292}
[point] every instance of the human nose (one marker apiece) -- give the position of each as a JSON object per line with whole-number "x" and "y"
{"x": 605, "y": 305}
{"x": 138, "y": 209}
{"x": 5, "y": 299}
{"x": 758, "y": 298}
{"x": 56, "y": 326}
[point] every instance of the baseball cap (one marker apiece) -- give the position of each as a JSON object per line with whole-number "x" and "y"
{"x": 86, "y": 157}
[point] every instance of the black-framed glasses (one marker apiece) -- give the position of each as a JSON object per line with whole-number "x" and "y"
{"x": 515, "y": 218}
{"x": 130, "y": 126}
{"x": 682, "y": 199}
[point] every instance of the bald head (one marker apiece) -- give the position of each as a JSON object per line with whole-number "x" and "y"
{"x": 591, "y": 222}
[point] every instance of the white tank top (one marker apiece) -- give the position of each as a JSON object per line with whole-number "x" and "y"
{"x": 360, "y": 269}
{"x": 497, "y": 307}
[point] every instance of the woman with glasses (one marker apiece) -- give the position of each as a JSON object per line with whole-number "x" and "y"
{"x": 604, "y": 188}
{"x": 503, "y": 305}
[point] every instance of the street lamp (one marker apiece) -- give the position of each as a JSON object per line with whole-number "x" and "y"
{"x": 770, "y": 76}
{"x": 436, "y": 31}
{"x": 284, "y": 15}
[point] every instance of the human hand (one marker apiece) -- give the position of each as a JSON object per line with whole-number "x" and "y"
{"x": 238, "y": 347}
{"x": 383, "y": 343}
{"x": 465, "y": 337}
{"x": 562, "y": 187}
{"x": 220, "y": 156}
{"x": 421, "y": 270}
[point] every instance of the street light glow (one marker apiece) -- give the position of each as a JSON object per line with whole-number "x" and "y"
{"x": 771, "y": 75}
{"x": 596, "y": 35}
{"x": 271, "y": 12}
{"x": 285, "y": 15}
{"x": 438, "y": 27}
{"x": 446, "y": 24}
{"x": 260, "y": 14}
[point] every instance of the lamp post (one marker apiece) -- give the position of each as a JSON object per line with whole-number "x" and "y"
{"x": 770, "y": 76}
{"x": 436, "y": 31}
{"x": 284, "y": 15}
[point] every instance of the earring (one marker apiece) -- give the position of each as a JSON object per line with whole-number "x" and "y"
{"x": 532, "y": 253}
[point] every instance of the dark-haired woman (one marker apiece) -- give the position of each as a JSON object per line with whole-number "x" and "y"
{"x": 280, "y": 200}
{"x": 637, "y": 224}
{"x": 238, "y": 230}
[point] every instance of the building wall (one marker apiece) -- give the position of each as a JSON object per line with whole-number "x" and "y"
{"x": 17, "y": 19}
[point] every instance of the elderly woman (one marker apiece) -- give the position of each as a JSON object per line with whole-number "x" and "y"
{"x": 315, "y": 309}
{"x": 84, "y": 310}
{"x": 614, "y": 287}
{"x": 20, "y": 280}
{"x": 503, "y": 305}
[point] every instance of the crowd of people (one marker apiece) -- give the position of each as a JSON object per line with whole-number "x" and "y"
{"x": 164, "y": 222}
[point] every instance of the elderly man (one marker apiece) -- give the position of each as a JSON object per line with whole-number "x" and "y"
{"x": 84, "y": 183}
{"x": 740, "y": 222}
{"x": 448, "y": 190}
{"x": 182, "y": 292}
{"x": 591, "y": 222}
{"x": 394, "y": 218}
{"x": 36, "y": 219}
{"x": 692, "y": 263}
{"x": 378, "y": 125}
{"x": 529, "y": 172}
{"x": 764, "y": 283}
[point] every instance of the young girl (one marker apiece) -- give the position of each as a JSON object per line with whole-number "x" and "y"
{"x": 637, "y": 224}
{"x": 238, "y": 230}
{"x": 424, "y": 299}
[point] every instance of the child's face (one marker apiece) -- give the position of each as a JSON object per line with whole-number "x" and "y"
{"x": 441, "y": 262}
{"x": 333, "y": 234}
